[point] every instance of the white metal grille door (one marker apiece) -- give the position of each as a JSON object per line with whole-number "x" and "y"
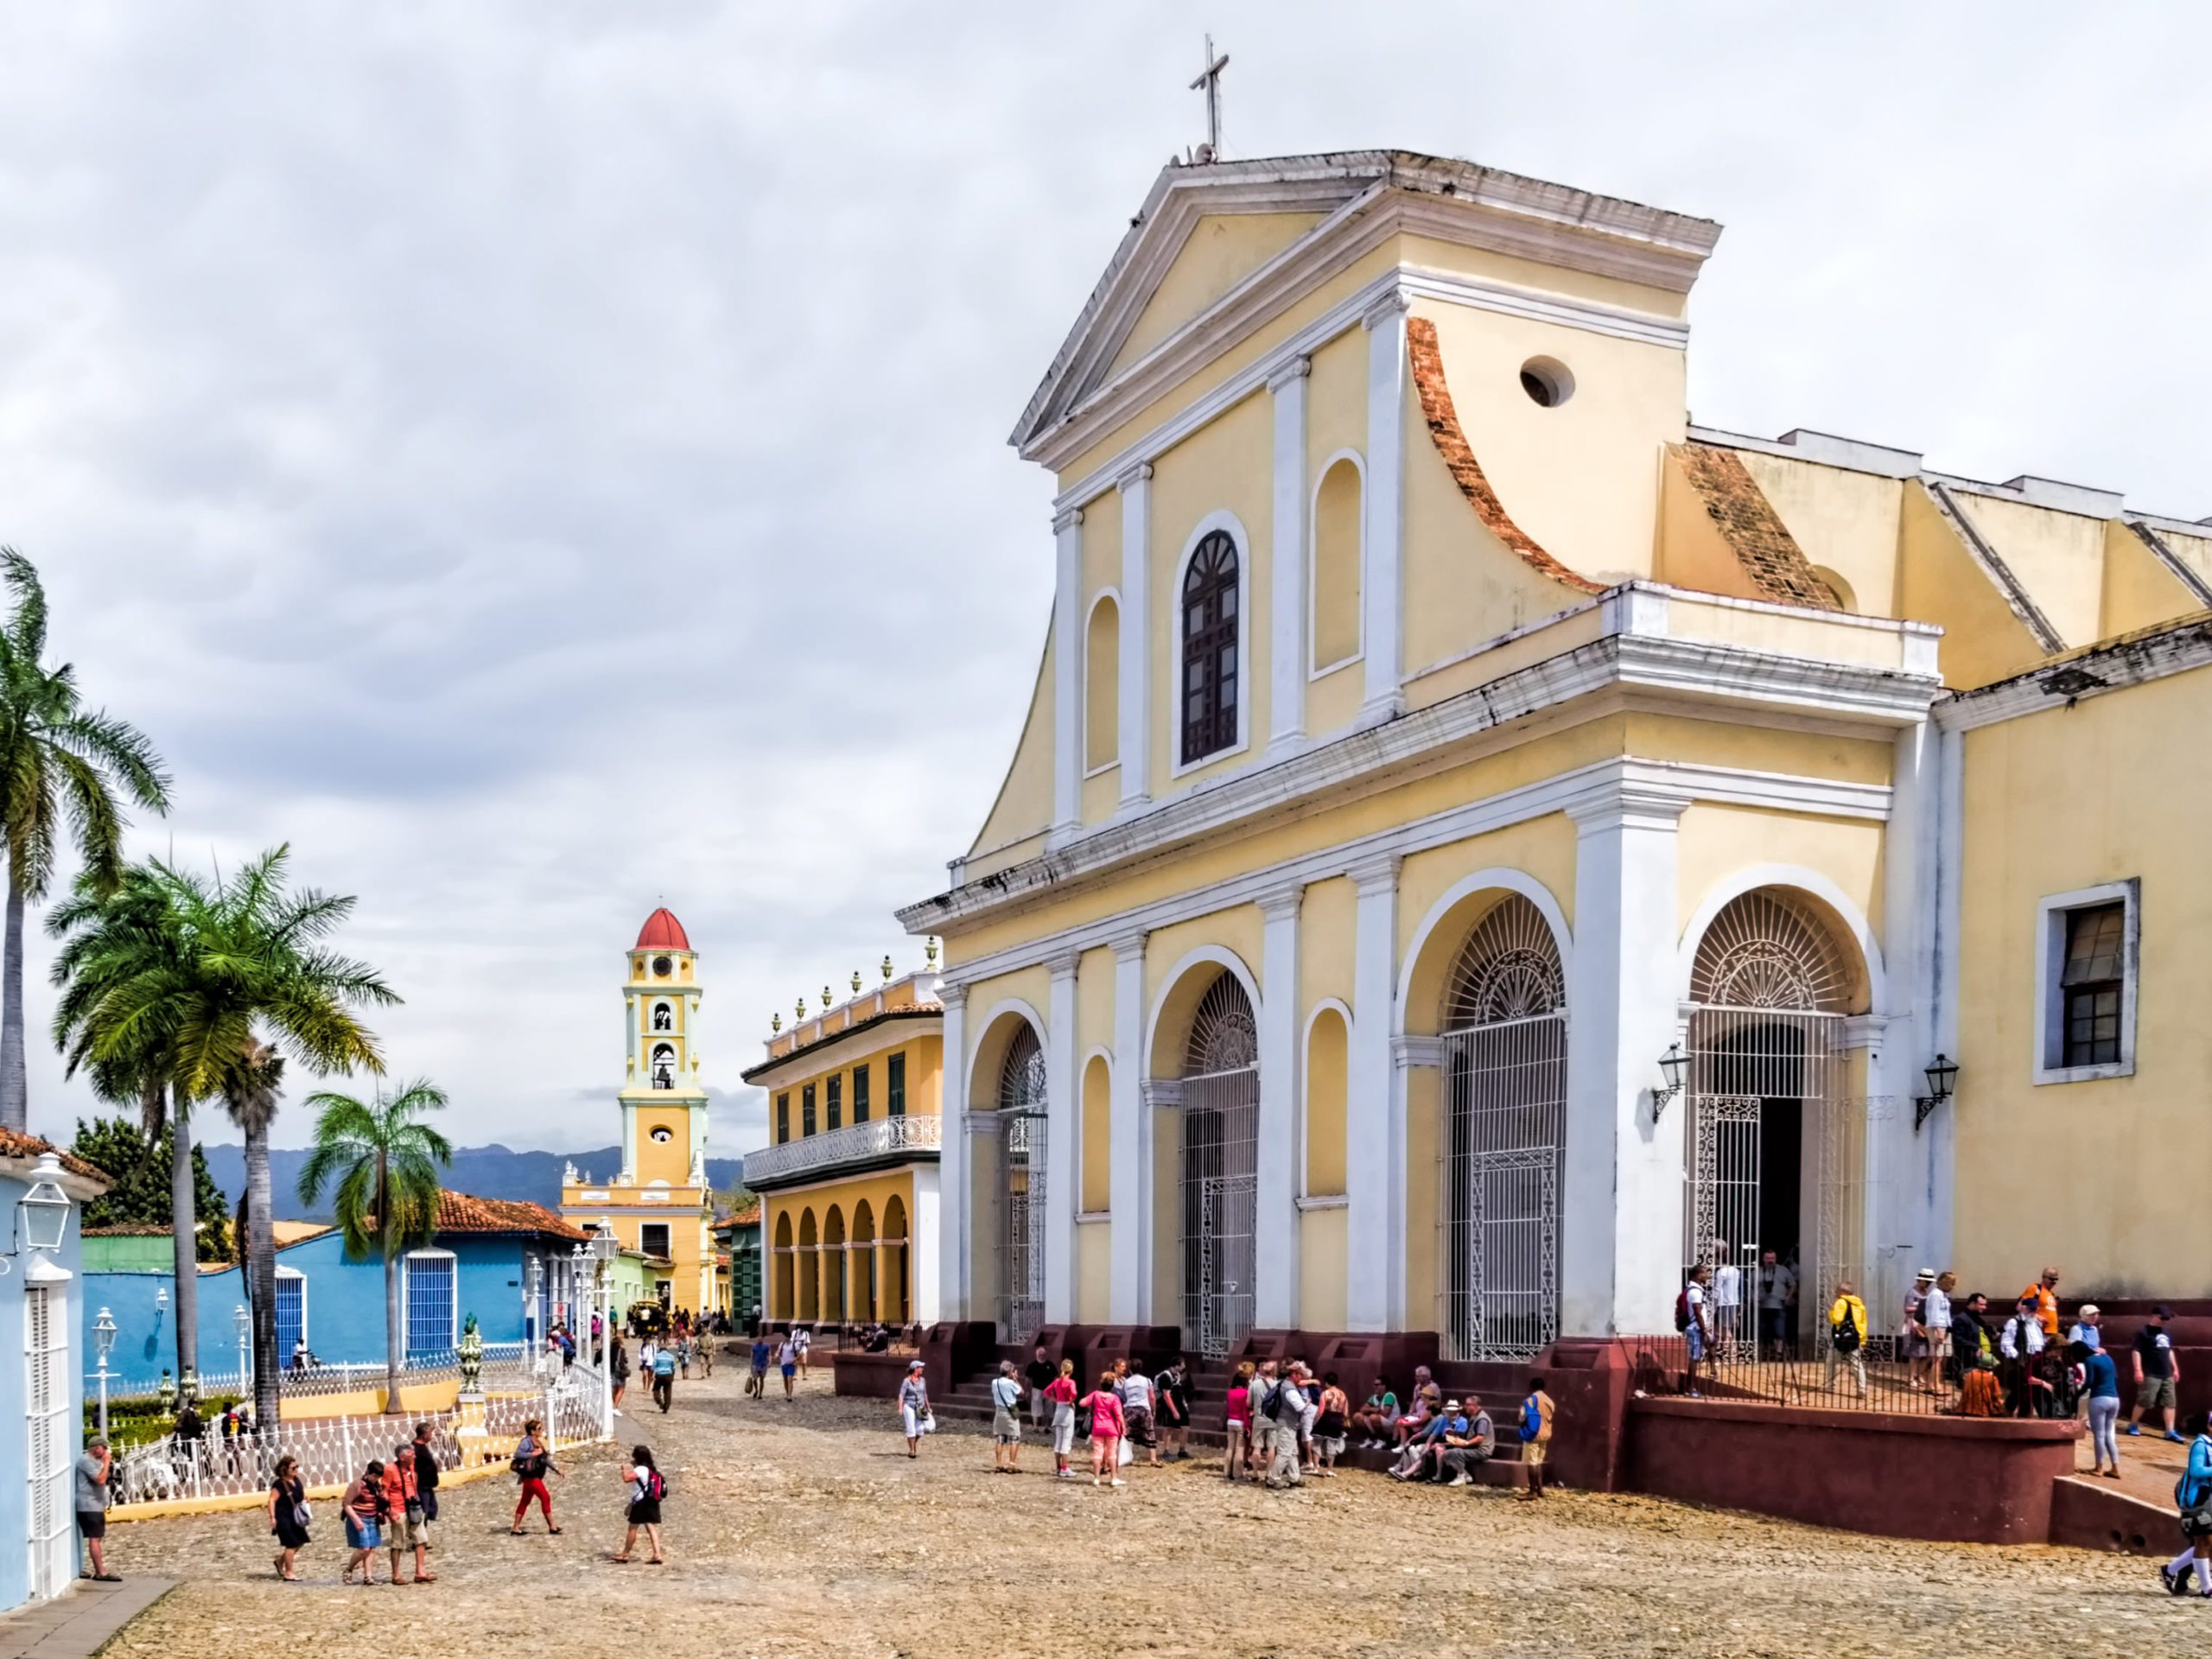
{"x": 1021, "y": 1189}
{"x": 1221, "y": 1124}
{"x": 52, "y": 1540}
{"x": 1505, "y": 1097}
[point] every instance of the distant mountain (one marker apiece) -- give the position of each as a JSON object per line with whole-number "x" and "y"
{"x": 492, "y": 1172}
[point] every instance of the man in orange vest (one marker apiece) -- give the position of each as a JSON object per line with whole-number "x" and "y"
{"x": 2044, "y": 1293}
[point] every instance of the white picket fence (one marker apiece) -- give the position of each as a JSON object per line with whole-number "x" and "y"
{"x": 503, "y": 1359}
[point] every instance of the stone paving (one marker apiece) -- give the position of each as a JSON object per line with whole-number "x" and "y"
{"x": 79, "y": 1624}
{"x": 802, "y": 1529}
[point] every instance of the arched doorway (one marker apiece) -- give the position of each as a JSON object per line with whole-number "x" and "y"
{"x": 782, "y": 1303}
{"x": 1774, "y": 1157}
{"x": 1505, "y": 1062}
{"x": 896, "y": 1307}
{"x": 864, "y": 1287}
{"x": 833, "y": 1266}
{"x": 809, "y": 1268}
{"x": 1021, "y": 1187}
{"x": 1221, "y": 1121}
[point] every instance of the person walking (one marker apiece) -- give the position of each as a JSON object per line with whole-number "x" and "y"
{"x": 1106, "y": 1424}
{"x": 914, "y": 1414}
{"x": 426, "y": 1486}
{"x": 1912, "y": 1331}
{"x": 1292, "y": 1414}
{"x": 702, "y": 1349}
{"x": 2101, "y": 1387}
{"x": 756, "y": 1379}
{"x": 95, "y": 1476}
{"x": 1536, "y": 1410}
{"x": 1936, "y": 1315}
{"x": 2193, "y": 1498}
{"x": 787, "y": 1361}
{"x": 664, "y": 1377}
{"x": 531, "y": 1463}
{"x": 1847, "y": 1339}
{"x": 2158, "y": 1370}
{"x": 1059, "y": 1395}
{"x": 1039, "y": 1374}
{"x": 1171, "y": 1397}
{"x": 803, "y": 1339}
{"x": 287, "y": 1509}
{"x": 403, "y": 1512}
{"x": 363, "y": 1503}
{"x": 618, "y": 1361}
{"x": 1261, "y": 1431}
{"x": 1238, "y": 1422}
{"x": 1006, "y": 1420}
{"x": 647, "y": 1490}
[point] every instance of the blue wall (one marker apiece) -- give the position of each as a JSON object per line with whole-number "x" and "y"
{"x": 344, "y": 1308}
{"x": 15, "y": 1407}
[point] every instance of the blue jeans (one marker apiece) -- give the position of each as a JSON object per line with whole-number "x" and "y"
{"x": 2104, "y": 1409}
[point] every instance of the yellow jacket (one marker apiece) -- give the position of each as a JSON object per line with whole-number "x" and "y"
{"x": 1852, "y": 1307}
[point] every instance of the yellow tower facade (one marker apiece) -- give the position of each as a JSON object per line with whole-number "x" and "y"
{"x": 659, "y": 1204}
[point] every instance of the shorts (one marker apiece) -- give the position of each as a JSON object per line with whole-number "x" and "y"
{"x": 93, "y": 1522}
{"x": 791, "y": 1370}
{"x": 1532, "y": 1451}
{"x": 1063, "y": 1429}
{"x": 362, "y": 1535}
{"x": 1006, "y": 1427}
{"x": 1939, "y": 1341}
{"x": 1140, "y": 1424}
{"x": 1329, "y": 1446}
{"x": 644, "y": 1512}
{"x": 2154, "y": 1391}
{"x": 1695, "y": 1337}
{"x": 402, "y": 1534}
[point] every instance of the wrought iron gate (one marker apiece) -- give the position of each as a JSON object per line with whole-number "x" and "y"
{"x": 1021, "y": 1190}
{"x": 1221, "y": 1123}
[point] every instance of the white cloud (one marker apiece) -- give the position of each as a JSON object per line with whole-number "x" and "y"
{"x": 542, "y": 460}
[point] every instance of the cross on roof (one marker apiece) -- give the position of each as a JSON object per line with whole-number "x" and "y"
{"x": 1209, "y": 78}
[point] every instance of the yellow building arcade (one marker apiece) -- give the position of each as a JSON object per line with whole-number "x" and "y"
{"x": 658, "y": 1203}
{"x": 850, "y": 1177}
{"x": 1481, "y": 843}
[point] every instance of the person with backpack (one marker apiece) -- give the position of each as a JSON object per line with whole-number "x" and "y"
{"x": 1847, "y": 1339}
{"x": 647, "y": 1490}
{"x": 1291, "y": 1412}
{"x": 531, "y": 1463}
{"x": 1693, "y": 1320}
{"x": 1059, "y": 1395}
{"x": 404, "y": 1530}
{"x": 664, "y": 1377}
{"x": 1106, "y": 1423}
{"x": 1535, "y": 1435}
{"x": 1171, "y": 1393}
{"x": 2193, "y": 1498}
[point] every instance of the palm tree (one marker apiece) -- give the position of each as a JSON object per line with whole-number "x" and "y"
{"x": 384, "y": 1161}
{"x": 108, "y": 939}
{"x": 244, "y": 985}
{"x": 61, "y": 766}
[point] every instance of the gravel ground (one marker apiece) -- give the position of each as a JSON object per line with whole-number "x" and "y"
{"x": 802, "y": 1529}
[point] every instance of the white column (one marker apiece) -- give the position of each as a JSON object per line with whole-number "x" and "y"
{"x": 1274, "y": 1289}
{"x": 1136, "y": 748}
{"x": 1063, "y": 1125}
{"x": 1067, "y": 671}
{"x": 1383, "y": 560}
{"x": 952, "y": 1166}
{"x": 924, "y": 1257}
{"x": 1621, "y": 1200}
{"x": 1128, "y": 1252}
{"x": 1287, "y": 577}
{"x": 1375, "y": 1126}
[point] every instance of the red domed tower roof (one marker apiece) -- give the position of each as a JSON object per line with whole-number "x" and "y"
{"x": 662, "y": 931}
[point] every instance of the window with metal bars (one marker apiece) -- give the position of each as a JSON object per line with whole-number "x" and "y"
{"x": 860, "y": 1094}
{"x": 428, "y": 1284}
{"x": 894, "y": 1085}
{"x": 806, "y": 1109}
{"x": 2093, "y": 983}
{"x": 1210, "y": 665}
{"x": 784, "y": 1116}
{"x": 836, "y": 1102}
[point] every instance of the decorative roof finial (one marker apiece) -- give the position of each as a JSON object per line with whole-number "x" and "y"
{"x": 776, "y": 1020}
{"x": 930, "y": 952}
{"x": 856, "y": 982}
{"x": 825, "y": 999}
{"x": 886, "y": 967}
{"x": 798, "y": 1010}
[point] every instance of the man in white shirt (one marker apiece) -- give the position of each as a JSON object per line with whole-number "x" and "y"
{"x": 1135, "y": 1391}
{"x": 1727, "y": 1295}
{"x": 1293, "y": 1418}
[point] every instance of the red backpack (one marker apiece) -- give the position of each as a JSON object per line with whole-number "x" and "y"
{"x": 1683, "y": 1308}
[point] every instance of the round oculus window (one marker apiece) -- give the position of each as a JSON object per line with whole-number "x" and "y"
{"x": 663, "y": 967}
{"x": 1547, "y": 382}
{"x": 663, "y": 1135}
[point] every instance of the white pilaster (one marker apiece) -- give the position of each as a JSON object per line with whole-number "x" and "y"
{"x": 954, "y": 1198}
{"x": 1375, "y": 1137}
{"x": 1286, "y": 578}
{"x": 925, "y": 1264}
{"x": 1621, "y": 1199}
{"x": 1274, "y": 1289}
{"x": 1383, "y": 562}
{"x": 1136, "y": 748}
{"x": 1067, "y": 671}
{"x": 1063, "y": 1121}
{"x": 1130, "y": 1186}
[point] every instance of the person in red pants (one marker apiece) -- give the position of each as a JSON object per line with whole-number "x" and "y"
{"x": 531, "y": 1463}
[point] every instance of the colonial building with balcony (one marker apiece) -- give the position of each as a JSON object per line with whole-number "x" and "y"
{"x": 849, "y": 1178}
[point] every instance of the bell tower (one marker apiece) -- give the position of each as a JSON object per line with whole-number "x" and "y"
{"x": 663, "y": 1106}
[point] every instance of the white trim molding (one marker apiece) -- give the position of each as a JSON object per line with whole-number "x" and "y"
{"x": 1135, "y": 483}
{"x": 1500, "y": 876}
{"x": 1737, "y": 883}
{"x": 2048, "y": 1058}
{"x": 1313, "y": 555}
{"x": 1196, "y": 957}
{"x": 1107, "y": 595}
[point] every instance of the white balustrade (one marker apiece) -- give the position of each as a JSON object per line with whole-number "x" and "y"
{"x": 881, "y": 1137}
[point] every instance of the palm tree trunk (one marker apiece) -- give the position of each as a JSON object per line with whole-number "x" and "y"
{"x": 390, "y": 1326}
{"x": 261, "y": 1270}
{"x": 15, "y": 1092}
{"x": 184, "y": 1229}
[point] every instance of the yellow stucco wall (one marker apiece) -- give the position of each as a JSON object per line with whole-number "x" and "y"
{"x": 1321, "y": 1257}
{"x": 1223, "y": 249}
{"x": 2138, "y": 591}
{"x": 880, "y": 1191}
{"x": 1939, "y": 582}
{"x": 1094, "y": 1243}
{"x": 1713, "y": 842}
{"x": 2058, "y": 556}
{"x": 1844, "y": 521}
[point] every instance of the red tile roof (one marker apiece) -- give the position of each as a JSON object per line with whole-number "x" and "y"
{"x": 128, "y": 1229}
{"x": 14, "y": 1143}
{"x": 662, "y": 931}
{"x": 462, "y": 1212}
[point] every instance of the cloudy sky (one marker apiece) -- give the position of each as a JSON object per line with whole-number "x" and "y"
{"x": 545, "y": 459}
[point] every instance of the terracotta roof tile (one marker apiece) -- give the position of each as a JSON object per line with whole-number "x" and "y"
{"x": 463, "y": 1213}
{"x": 14, "y": 1143}
{"x": 1747, "y": 522}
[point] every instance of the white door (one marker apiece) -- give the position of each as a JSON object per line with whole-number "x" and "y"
{"x": 53, "y": 1527}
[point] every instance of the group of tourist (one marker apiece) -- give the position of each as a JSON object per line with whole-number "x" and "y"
{"x": 388, "y": 1506}
{"x": 789, "y": 1352}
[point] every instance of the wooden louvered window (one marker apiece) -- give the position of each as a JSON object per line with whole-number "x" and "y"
{"x": 783, "y": 1117}
{"x": 894, "y": 1085}
{"x": 860, "y": 1094}
{"x": 2093, "y": 981}
{"x": 1209, "y": 650}
{"x": 837, "y": 1102}
{"x": 806, "y": 1109}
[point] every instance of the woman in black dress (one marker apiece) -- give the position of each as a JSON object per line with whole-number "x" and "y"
{"x": 647, "y": 1490}
{"x": 287, "y": 1515}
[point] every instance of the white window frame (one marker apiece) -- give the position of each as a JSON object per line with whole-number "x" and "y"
{"x": 1246, "y": 684}
{"x": 2049, "y": 1032}
{"x": 1083, "y": 690}
{"x": 407, "y": 1297}
{"x": 1313, "y": 566}
{"x": 283, "y": 1272}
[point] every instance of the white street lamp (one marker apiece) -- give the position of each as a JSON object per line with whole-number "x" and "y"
{"x": 43, "y": 1213}
{"x": 103, "y": 1344}
{"x": 242, "y": 1322}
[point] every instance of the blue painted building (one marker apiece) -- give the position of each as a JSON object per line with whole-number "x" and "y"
{"x": 488, "y": 1257}
{"x": 41, "y": 1292}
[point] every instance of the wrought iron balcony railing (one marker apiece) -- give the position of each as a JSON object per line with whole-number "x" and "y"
{"x": 856, "y": 1143}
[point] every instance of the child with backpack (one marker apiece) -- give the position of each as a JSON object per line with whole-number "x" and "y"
{"x": 2193, "y": 1498}
{"x": 647, "y": 1490}
{"x": 1535, "y": 1435}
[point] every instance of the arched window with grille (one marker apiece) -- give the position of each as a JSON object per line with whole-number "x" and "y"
{"x": 1504, "y": 1062}
{"x": 1021, "y": 1186}
{"x": 1210, "y": 630}
{"x": 1221, "y": 1122}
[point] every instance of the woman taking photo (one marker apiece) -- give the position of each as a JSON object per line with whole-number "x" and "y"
{"x": 287, "y": 1515}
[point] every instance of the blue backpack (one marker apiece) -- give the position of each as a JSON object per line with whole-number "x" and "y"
{"x": 1532, "y": 1419}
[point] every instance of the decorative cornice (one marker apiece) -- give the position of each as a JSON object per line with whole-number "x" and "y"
{"x": 1297, "y": 369}
{"x": 2132, "y": 659}
{"x": 1385, "y": 311}
{"x": 1066, "y": 520}
{"x": 1163, "y": 1091}
{"x": 1129, "y": 477}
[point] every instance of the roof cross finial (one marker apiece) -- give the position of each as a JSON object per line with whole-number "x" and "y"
{"x": 1209, "y": 78}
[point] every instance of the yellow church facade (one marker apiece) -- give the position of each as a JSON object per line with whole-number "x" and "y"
{"x": 1480, "y": 843}
{"x": 659, "y": 1204}
{"x": 848, "y": 1181}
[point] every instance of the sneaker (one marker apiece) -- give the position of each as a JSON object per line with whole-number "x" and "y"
{"x": 1459, "y": 1479}
{"x": 2133, "y": 1428}
{"x": 2177, "y": 1583}
{"x": 2178, "y": 1440}
{"x": 1118, "y": 1481}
